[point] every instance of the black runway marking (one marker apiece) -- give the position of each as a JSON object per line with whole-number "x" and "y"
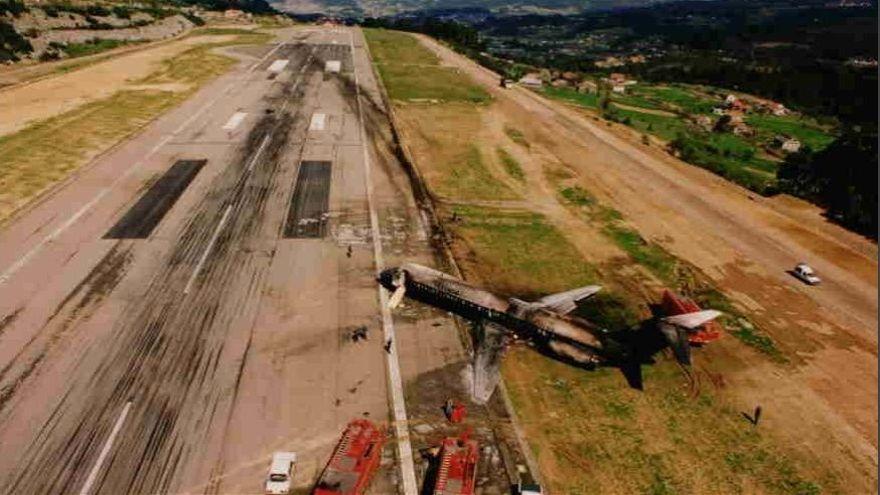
{"x": 310, "y": 203}
{"x": 142, "y": 218}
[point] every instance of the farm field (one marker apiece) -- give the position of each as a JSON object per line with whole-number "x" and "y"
{"x": 671, "y": 114}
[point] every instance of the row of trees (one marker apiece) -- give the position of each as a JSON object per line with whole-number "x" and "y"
{"x": 842, "y": 178}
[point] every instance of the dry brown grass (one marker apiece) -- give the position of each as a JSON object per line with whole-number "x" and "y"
{"x": 448, "y": 133}
{"x": 44, "y": 153}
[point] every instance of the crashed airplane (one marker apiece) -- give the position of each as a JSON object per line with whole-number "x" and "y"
{"x": 547, "y": 323}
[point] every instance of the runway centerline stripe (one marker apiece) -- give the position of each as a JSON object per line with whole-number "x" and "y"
{"x": 234, "y": 121}
{"x": 401, "y": 429}
{"x": 105, "y": 451}
{"x": 278, "y": 66}
{"x": 226, "y": 213}
{"x": 25, "y": 259}
{"x": 259, "y": 152}
{"x": 317, "y": 122}
{"x": 208, "y": 249}
{"x": 145, "y": 215}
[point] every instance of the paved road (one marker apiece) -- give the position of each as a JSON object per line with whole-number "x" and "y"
{"x": 174, "y": 355}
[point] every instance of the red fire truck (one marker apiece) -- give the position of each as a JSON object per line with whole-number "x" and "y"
{"x": 457, "y": 471}
{"x": 355, "y": 460}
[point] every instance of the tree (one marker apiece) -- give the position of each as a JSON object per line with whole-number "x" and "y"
{"x": 842, "y": 178}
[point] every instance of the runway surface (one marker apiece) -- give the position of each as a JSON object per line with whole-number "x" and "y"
{"x": 183, "y": 307}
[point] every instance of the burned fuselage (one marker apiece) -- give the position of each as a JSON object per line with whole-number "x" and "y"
{"x": 570, "y": 337}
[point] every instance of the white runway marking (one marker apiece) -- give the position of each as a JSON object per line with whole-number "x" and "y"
{"x": 195, "y": 273}
{"x": 317, "y": 123}
{"x": 248, "y": 169}
{"x": 278, "y": 65}
{"x": 401, "y": 429}
{"x": 25, "y": 259}
{"x": 234, "y": 121}
{"x": 93, "y": 475}
{"x": 258, "y": 153}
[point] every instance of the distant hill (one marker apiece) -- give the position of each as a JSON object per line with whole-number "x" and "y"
{"x": 379, "y": 8}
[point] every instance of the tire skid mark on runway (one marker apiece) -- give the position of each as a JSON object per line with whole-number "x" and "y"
{"x": 7, "y": 274}
{"x": 100, "y": 281}
{"x": 162, "y": 342}
{"x": 8, "y": 319}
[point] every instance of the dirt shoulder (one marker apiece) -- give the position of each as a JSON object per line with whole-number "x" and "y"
{"x": 48, "y": 97}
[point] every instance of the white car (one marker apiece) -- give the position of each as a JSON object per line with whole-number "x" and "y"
{"x": 806, "y": 274}
{"x": 278, "y": 481}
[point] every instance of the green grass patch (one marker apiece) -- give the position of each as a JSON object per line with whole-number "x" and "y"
{"x": 679, "y": 98}
{"x": 412, "y": 72}
{"x": 516, "y": 136}
{"x": 701, "y": 150}
{"x": 649, "y": 255}
{"x": 768, "y": 126}
{"x": 429, "y": 83}
{"x": 593, "y": 434}
{"x": 663, "y": 126}
{"x": 468, "y": 178}
{"x": 589, "y": 100}
{"x": 94, "y": 46}
{"x": 635, "y": 100}
{"x": 669, "y": 270}
{"x": 520, "y": 253}
{"x": 511, "y": 165}
{"x": 395, "y": 47}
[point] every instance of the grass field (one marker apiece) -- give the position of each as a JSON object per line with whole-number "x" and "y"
{"x": 46, "y": 152}
{"x": 677, "y": 98}
{"x": 92, "y": 47}
{"x": 666, "y": 128}
{"x": 768, "y": 126}
{"x": 588, "y": 100}
{"x": 594, "y": 435}
{"x": 590, "y": 431}
{"x": 411, "y": 72}
{"x": 734, "y": 157}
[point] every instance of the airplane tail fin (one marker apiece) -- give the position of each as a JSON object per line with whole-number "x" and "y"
{"x": 676, "y": 329}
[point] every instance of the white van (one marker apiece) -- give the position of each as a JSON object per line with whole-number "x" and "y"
{"x": 278, "y": 481}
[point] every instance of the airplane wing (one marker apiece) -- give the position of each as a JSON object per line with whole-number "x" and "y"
{"x": 566, "y": 302}
{"x": 693, "y": 320}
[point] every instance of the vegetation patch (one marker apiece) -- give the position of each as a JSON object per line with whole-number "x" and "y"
{"x": 670, "y": 270}
{"x": 812, "y": 136}
{"x": 516, "y": 136}
{"x": 92, "y": 47}
{"x": 588, "y": 100}
{"x": 411, "y": 72}
{"x": 45, "y": 152}
{"x": 608, "y": 438}
{"x": 511, "y": 165}
{"x": 520, "y": 253}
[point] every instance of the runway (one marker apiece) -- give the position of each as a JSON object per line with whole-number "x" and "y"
{"x": 178, "y": 311}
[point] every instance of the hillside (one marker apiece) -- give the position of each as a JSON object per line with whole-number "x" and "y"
{"x": 56, "y": 30}
{"x": 378, "y": 8}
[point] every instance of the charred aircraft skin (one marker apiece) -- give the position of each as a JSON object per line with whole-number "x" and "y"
{"x": 570, "y": 337}
{"x": 546, "y": 322}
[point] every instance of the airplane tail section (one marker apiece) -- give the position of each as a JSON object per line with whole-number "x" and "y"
{"x": 694, "y": 320}
{"x": 678, "y": 328}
